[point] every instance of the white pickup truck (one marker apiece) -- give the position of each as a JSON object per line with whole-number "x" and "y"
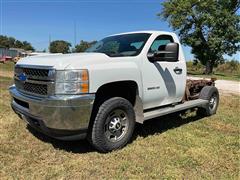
{"x": 123, "y": 79}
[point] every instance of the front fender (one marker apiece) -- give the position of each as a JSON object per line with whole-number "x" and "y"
{"x": 101, "y": 74}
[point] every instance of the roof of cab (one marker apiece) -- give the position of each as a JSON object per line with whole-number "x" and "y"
{"x": 149, "y": 31}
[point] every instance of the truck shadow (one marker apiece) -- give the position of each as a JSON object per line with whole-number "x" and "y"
{"x": 150, "y": 127}
{"x": 80, "y": 146}
{"x": 168, "y": 79}
{"x": 164, "y": 123}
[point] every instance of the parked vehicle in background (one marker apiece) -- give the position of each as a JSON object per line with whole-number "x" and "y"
{"x": 4, "y": 59}
{"x": 101, "y": 94}
{"x": 16, "y": 59}
{"x": 12, "y": 54}
{"x": 42, "y": 54}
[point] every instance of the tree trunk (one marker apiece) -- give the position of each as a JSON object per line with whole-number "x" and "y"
{"x": 209, "y": 67}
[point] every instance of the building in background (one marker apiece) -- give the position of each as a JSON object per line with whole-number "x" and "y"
{"x": 12, "y": 54}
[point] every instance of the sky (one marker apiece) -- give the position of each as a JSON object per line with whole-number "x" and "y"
{"x": 37, "y": 21}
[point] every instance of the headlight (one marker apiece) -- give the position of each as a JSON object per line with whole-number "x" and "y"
{"x": 71, "y": 82}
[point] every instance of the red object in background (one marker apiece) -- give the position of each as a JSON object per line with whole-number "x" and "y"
{"x": 3, "y": 59}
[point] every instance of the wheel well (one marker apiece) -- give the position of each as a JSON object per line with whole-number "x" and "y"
{"x": 124, "y": 89}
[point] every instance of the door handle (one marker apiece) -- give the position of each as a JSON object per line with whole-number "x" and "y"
{"x": 178, "y": 70}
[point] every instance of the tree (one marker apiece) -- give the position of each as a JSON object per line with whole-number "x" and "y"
{"x": 10, "y": 42}
{"x": 83, "y": 46}
{"x": 27, "y": 46}
{"x": 18, "y": 44}
{"x": 60, "y": 46}
{"x": 210, "y": 27}
{"x": 7, "y": 42}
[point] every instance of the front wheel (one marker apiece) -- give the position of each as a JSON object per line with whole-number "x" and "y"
{"x": 113, "y": 125}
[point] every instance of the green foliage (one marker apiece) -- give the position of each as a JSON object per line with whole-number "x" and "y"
{"x": 83, "y": 46}
{"x": 10, "y": 42}
{"x": 229, "y": 70}
{"x": 194, "y": 66}
{"x": 229, "y": 67}
{"x": 210, "y": 27}
{"x": 60, "y": 46}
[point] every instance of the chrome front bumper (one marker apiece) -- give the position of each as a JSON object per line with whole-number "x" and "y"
{"x": 63, "y": 117}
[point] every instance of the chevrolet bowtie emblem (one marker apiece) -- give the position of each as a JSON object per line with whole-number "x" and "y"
{"x": 22, "y": 77}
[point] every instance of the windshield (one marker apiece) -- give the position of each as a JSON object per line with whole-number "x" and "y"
{"x": 121, "y": 45}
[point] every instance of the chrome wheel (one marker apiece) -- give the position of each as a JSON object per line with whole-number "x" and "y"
{"x": 116, "y": 125}
{"x": 213, "y": 102}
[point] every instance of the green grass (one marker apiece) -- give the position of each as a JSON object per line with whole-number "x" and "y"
{"x": 171, "y": 147}
{"x": 218, "y": 75}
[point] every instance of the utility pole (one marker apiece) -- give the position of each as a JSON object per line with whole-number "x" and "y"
{"x": 1, "y": 17}
{"x": 49, "y": 41}
{"x": 75, "y": 33}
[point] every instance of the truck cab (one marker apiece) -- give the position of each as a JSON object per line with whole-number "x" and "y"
{"x": 100, "y": 94}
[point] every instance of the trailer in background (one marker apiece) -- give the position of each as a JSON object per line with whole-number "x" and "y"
{"x": 7, "y": 54}
{"x": 12, "y": 54}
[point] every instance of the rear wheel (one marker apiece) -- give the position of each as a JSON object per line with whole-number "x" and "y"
{"x": 113, "y": 125}
{"x": 211, "y": 94}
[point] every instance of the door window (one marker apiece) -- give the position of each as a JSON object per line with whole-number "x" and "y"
{"x": 160, "y": 43}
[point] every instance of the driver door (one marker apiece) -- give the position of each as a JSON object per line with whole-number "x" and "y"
{"x": 163, "y": 81}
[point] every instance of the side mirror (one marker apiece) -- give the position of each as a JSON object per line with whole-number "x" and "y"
{"x": 170, "y": 54}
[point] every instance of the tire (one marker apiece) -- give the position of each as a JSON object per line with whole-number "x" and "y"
{"x": 113, "y": 125}
{"x": 211, "y": 94}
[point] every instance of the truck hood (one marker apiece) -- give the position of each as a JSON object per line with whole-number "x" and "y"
{"x": 65, "y": 61}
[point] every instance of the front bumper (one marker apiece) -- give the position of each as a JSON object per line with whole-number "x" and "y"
{"x": 63, "y": 117}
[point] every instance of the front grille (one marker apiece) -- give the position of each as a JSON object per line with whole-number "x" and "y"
{"x": 36, "y": 72}
{"x": 37, "y": 81}
{"x": 35, "y": 88}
